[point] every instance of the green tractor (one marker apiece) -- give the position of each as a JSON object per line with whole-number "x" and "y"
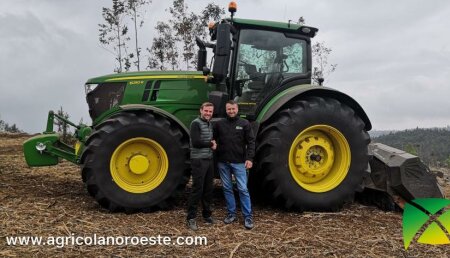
{"x": 312, "y": 142}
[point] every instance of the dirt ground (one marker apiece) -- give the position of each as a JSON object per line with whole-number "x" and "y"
{"x": 52, "y": 201}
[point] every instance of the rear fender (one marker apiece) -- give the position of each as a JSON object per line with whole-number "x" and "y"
{"x": 300, "y": 91}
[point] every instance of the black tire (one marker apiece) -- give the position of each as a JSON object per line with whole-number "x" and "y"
{"x": 278, "y": 135}
{"x": 118, "y": 129}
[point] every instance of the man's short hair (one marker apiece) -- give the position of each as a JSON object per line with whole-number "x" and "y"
{"x": 231, "y": 102}
{"x": 206, "y": 104}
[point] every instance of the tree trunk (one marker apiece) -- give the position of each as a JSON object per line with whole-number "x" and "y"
{"x": 136, "y": 37}
{"x": 120, "y": 48}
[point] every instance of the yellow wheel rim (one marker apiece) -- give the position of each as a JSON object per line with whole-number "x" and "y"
{"x": 319, "y": 158}
{"x": 139, "y": 165}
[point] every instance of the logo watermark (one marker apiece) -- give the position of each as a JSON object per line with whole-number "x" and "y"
{"x": 99, "y": 240}
{"x": 430, "y": 212}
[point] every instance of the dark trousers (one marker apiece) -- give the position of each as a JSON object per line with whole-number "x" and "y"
{"x": 202, "y": 187}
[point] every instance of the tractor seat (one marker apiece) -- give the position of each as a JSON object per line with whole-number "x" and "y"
{"x": 257, "y": 78}
{"x": 256, "y": 85}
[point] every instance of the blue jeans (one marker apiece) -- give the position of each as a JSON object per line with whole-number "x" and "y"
{"x": 240, "y": 173}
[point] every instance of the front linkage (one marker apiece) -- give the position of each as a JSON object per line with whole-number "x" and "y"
{"x": 47, "y": 148}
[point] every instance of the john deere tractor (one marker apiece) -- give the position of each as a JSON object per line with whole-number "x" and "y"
{"x": 312, "y": 143}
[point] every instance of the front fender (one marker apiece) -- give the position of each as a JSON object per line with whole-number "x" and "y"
{"x": 300, "y": 91}
{"x": 156, "y": 110}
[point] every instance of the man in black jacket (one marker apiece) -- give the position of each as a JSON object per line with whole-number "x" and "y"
{"x": 235, "y": 152}
{"x": 202, "y": 146}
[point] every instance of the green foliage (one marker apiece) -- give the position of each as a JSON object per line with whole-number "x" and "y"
{"x": 62, "y": 127}
{"x": 320, "y": 52}
{"x": 134, "y": 12}
{"x": 211, "y": 12}
{"x": 163, "y": 53}
{"x": 183, "y": 25}
{"x": 322, "y": 68}
{"x": 114, "y": 33}
{"x": 176, "y": 38}
{"x": 431, "y": 145}
{"x": 412, "y": 149}
{"x": 5, "y": 127}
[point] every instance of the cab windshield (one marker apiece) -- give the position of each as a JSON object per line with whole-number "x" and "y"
{"x": 264, "y": 59}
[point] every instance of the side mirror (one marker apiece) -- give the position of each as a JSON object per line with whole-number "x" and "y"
{"x": 201, "y": 54}
{"x": 222, "y": 52}
{"x": 201, "y": 59}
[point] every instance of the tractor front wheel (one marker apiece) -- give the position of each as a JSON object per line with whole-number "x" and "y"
{"x": 135, "y": 161}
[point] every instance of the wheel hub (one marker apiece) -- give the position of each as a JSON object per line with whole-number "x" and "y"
{"x": 138, "y": 164}
{"x": 314, "y": 156}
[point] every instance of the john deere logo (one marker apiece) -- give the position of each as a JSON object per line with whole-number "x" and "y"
{"x": 427, "y": 211}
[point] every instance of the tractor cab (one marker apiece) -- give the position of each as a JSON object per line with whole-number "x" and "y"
{"x": 254, "y": 60}
{"x": 264, "y": 62}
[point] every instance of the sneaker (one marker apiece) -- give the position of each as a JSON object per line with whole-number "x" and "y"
{"x": 229, "y": 219}
{"x": 248, "y": 223}
{"x": 192, "y": 224}
{"x": 210, "y": 220}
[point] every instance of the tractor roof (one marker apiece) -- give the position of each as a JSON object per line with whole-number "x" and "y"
{"x": 273, "y": 25}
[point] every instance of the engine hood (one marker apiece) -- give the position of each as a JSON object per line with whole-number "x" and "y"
{"x": 145, "y": 75}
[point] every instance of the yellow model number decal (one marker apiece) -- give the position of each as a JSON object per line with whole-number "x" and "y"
{"x": 136, "y": 82}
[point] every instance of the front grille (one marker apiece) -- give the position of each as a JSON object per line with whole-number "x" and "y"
{"x": 104, "y": 97}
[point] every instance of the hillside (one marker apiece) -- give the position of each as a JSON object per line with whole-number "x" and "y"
{"x": 431, "y": 145}
{"x": 378, "y": 133}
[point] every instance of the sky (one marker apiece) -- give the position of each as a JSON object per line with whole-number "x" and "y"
{"x": 393, "y": 57}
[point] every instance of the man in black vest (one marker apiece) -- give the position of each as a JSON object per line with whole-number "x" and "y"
{"x": 202, "y": 146}
{"x": 235, "y": 152}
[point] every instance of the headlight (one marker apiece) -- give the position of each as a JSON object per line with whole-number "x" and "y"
{"x": 90, "y": 87}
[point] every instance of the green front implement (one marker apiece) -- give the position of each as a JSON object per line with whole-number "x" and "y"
{"x": 47, "y": 148}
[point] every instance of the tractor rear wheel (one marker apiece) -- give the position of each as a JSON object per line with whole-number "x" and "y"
{"x": 135, "y": 161}
{"x": 312, "y": 154}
